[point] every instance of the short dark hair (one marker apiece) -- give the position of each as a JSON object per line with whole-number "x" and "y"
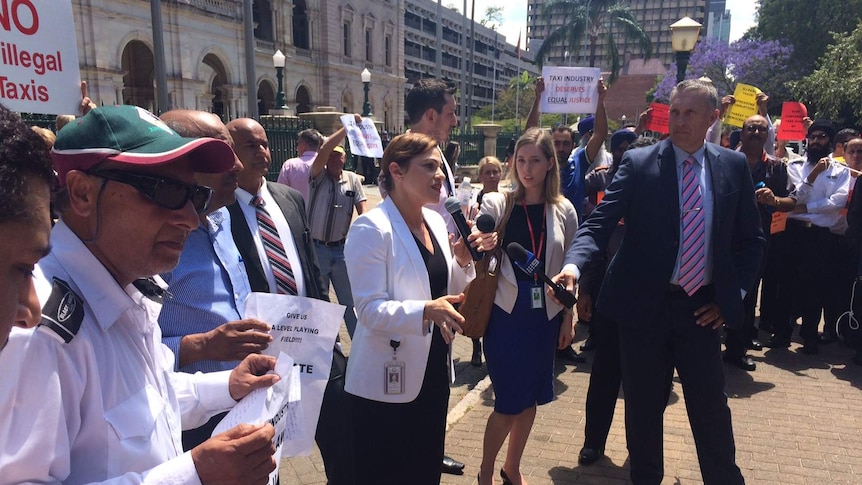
{"x": 425, "y": 94}
{"x": 23, "y": 154}
{"x": 312, "y": 138}
{"x": 846, "y": 134}
{"x": 563, "y": 128}
{"x": 400, "y": 150}
{"x": 642, "y": 141}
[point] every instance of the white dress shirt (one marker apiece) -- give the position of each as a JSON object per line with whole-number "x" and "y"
{"x": 274, "y": 211}
{"x": 825, "y": 198}
{"x": 107, "y": 406}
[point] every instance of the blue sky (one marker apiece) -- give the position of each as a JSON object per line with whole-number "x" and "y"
{"x": 515, "y": 16}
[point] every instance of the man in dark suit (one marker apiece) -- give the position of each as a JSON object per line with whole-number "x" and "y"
{"x": 692, "y": 249}
{"x": 286, "y": 209}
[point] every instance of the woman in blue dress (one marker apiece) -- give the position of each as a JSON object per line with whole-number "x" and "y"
{"x": 526, "y": 327}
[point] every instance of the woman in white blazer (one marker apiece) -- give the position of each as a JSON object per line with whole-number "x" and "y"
{"x": 404, "y": 280}
{"x": 525, "y": 327}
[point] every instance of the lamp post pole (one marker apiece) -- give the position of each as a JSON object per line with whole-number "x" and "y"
{"x": 278, "y": 62}
{"x": 366, "y": 81}
{"x": 683, "y": 37}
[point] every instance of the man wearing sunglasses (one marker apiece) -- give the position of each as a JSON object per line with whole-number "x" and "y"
{"x": 820, "y": 187}
{"x": 98, "y": 398}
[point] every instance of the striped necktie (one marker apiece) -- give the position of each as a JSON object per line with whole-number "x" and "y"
{"x": 284, "y": 279}
{"x": 693, "y": 262}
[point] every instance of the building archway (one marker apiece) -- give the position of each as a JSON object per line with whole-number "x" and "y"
{"x": 265, "y": 97}
{"x": 218, "y": 79}
{"x": 138, "y": 81}
{"x": 347, "y": 105}
{"x": 303, "y": 100}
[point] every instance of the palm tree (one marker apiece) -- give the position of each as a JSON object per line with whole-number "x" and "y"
{"x": 597, "y": 19}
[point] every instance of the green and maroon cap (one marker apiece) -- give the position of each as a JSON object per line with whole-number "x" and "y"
{"x": 134, "y": 136}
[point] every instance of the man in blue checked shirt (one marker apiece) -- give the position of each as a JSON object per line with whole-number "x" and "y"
{"x": 201, "y": 322}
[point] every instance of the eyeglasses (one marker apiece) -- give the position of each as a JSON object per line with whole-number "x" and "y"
{"x": 818, "y": 136}
{"x": 756, "y": 129}
{"x": 164, "y": 192}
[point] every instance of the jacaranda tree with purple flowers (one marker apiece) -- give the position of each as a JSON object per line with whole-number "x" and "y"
{"x": 765, "y": 64}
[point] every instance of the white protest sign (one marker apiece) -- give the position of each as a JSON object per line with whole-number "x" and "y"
{"x": 305, "y": 329}
{"x": 39, "y": 57}
{"x": 363, "y": 137}
{"x": 278, "y": 405}
{"x": 570, "y": 89}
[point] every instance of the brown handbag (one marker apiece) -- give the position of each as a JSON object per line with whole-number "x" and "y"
{"x": 479, "y": 293}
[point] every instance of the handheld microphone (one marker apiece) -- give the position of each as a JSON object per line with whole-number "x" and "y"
{"x": 485, "y": 223}
{"x": 453, "y": 207}
{"x": 528, "y": 262}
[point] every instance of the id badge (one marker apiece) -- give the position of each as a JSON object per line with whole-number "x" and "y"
{"x": 537, "y": 295}
{"x": 393, "y": 377}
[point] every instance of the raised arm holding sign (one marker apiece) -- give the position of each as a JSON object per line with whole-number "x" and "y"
{"x": 570, "y": 89}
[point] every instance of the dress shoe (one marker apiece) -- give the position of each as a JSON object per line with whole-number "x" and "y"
{"x": 505, "y": 477}
{"x": 588, "y": 456}
{"x": 452, "y": 467}
{"x": 755, "y": 344}
{"x": 744, "y": 362}
{"x": 570, "y": 355}
{"x": 476, "y": 360}
{"x": 777, "y": 343}
{"x": 811, "y": 347}
{"x": 589, "y": 344}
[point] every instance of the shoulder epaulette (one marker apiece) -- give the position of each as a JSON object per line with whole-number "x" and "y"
{"x": 150, "y": 289}
{"x": 63, "y": 312}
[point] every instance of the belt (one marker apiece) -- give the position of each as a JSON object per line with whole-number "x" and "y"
{"x": 800, "y": 224}
{"x": 330, "y": 244}
{"x": 675, "y": 289}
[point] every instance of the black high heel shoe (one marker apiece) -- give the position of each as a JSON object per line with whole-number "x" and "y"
{"x": 505, "y": 477}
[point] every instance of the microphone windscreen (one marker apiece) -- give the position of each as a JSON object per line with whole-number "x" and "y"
{"x": 485, "y": 223}
{"x": 452, "y": 205}
{"x": 517, "y": 253}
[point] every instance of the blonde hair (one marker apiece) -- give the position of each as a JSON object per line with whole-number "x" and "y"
{"x": 400, "y": 150}
{"x": 47, "y": 135}
{"x": 543, "y": 140}
{"x": 489, "y": 160}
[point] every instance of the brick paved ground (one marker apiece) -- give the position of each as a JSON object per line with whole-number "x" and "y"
{"x": 797, "y": 420}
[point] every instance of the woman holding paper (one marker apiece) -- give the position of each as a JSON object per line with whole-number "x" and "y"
{"x": 405, "y": 280}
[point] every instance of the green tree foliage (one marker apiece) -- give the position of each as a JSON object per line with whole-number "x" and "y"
{"x": 601, "y": 21}
{"x": 493, "y": 17}
{"x": 834, "y": 89}
{"x": 806, "y": 25}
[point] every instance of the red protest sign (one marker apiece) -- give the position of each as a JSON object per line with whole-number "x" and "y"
{"x": 792, "y": 127}
{"x": 658, "y": 118}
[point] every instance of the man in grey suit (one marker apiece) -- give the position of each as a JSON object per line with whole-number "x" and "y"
{"x": 691, "y": 251}
{"x": 286, "y": 209}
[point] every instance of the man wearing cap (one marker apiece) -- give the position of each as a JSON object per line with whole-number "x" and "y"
{"x": 98, "y": 399}
{"x": 267, "y": 272}
{"x": 202, "y": 322}
{"x": 820, "y": 187}
{"x": 294, "y": 172}
{"x": 334, "y": 194}
{"x": 26, "y": 176}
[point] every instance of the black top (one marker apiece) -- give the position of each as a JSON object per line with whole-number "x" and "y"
{"x": 518, "y": 231}
{"x": 438, "y": 270}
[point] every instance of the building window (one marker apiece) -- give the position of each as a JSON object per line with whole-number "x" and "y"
{"x": 369, "y": 57}
{"x": 346, "y": 38}
{"x": 300, "y": 24}
{"x": 387, "y": 50}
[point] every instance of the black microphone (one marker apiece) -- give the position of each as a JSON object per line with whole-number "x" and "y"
{"x": 453, "y": 207}
{"x": 527, "y": 261}
{"x": 485, "y": 223}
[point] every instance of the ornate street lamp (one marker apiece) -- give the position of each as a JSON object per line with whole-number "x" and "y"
{"x": 683, "y": 37}
{"x": 366, "y": 81}
{"x": 278, "y": 62}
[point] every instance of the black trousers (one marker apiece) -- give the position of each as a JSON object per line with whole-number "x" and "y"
{"x": 841, "y": 266}
{"x": 605, "y": 378}
{"x": 650, "y": 352}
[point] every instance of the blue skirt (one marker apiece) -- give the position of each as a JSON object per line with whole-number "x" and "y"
{"x": 519, "y": 350}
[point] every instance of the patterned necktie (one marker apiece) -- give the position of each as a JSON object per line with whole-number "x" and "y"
{"x": 284, "y": 279}
{"x": 693, "y": 262}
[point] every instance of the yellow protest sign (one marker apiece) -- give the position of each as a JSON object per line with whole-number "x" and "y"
{"x": 745, "y": 105}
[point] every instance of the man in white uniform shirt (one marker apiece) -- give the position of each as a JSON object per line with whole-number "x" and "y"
{"x": 97, "y": 399}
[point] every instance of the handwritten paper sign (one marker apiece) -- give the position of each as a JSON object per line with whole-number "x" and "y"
{"x": 779, "y": 222}
{"x": 745, "y": 105}
{"x": 278, "y": 405}
{"x": 792, "y": 126}
{"x": 659, "y": 118}
{"x": 570, "y": 89}
{"x": 305, "y": 329}
{"x": 39, "y": 57}
{"x": 363, "y": 137}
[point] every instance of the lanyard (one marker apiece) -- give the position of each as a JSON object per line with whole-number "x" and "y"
{"x": 536, "y": 250}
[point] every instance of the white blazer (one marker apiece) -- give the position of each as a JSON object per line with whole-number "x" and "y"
{"x": 561, "y": 223}
{"x": 390, "y": 287}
